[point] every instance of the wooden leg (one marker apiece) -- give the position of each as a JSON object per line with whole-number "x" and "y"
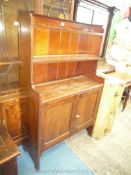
{"x": 37, "y": 163}
{"x": 36, "y": 159}
{"x": 90, "y": 130}
{"x": 34, "y": 155}
{"x": 9, "y": 168}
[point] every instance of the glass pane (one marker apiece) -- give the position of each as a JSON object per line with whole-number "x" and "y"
{"x": 84, "y": 15}
{"x": 9, "y": 59}
{"x": 57, "y": 8}
{"x": 9, "y": 78}
{"x": 98, "y": 16}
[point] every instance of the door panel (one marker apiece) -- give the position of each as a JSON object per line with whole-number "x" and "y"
{"x": 56, "y": 118}
{"x": 11, "y": 115}
{"x": 87, "y": 105}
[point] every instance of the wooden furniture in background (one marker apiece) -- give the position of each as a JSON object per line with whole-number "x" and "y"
{"x": 8, "y": 153}
{"x": 103, "y": 67}
{"x": 113, "y": 89}
{"x": 11, "y": 98}
{"x": 125, "y": 96}
{"x": 58, "y": 69}
{"x": 8, "y": 80}
{"x": 12, "y": 108}
{"x": 9, "y": 42}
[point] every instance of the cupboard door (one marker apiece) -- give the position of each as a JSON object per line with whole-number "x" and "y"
{"x": 11, "y": 114}
{"x": 55, "y": 121}
{"x": 87, "y": 105}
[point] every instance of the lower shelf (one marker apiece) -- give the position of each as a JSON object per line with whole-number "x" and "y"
{"x": 63, "y": 88}
{"x": 9, "y": 88}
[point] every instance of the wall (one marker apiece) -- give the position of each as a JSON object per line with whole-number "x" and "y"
{"x": 120, "y": 4}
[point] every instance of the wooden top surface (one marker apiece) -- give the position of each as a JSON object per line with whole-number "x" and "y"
{"x": 41, "y": 20}
{"x": 104, "y": 67}
{"x": 117, "y": 77}
{"x": 63, "y": 58}
{"x": 8, "y": 149}
{"x": 107, "y": 71}
{"x": 65, "y": 88}
{"x": 123, "y": 77}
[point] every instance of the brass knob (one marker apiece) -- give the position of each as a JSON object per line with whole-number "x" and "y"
{"x": 77, "y": 116}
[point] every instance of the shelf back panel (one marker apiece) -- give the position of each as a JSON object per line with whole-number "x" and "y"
{"x": 56, "y": 71}
{"x": 57, "y": 37}
{"x": 41, "y": 36}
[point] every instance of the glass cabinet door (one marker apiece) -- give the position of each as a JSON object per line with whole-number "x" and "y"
{"x": 9, "y": 59}
{"x": 9, "y": 77}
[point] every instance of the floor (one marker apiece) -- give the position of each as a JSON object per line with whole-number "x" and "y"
{"x": 110, "y": 155}
{"x": 58, "y": 160}
{"x": 83, "y": 155}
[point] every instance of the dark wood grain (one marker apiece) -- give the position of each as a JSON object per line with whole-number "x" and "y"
{"x": 68, "y": 87}
{"x": 25, "y": 50}
{"x": 41, "y": 41}
{"x": 85, "y": 114}
{"x": 71, "y": 67}
{"x": 83, "y": 44}
{"x": 62, "y": 70}
{"x": 74, "y": 42}
{"x": 8, "y": 149}
{"x": 54, "y": 42}
{"x": 94, "y": 44}
{"x": 40, "y": 73}
{"x": 9, "y": 168}
{"x": 62, "y": 86}
{"x": 62, "y": 58}
{"x": 12, "y": 109}
{"x": 86, "y": 68}
{"x": 57, "y": 116}
{"x": 52, "y": 71}
{"x": 8, "y": 153}
{"x": 65, "y": 42}
{"x": 45, "y": 21}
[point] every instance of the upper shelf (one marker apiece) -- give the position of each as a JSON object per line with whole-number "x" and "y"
{"x": 63, "y": 58}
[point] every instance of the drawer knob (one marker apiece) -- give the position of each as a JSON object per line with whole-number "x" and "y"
{"x": 77, "y": 116}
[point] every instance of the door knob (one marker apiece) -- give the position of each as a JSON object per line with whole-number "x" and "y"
{"x": 77, "y": 116}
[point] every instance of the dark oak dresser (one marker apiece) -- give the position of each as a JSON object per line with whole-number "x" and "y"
{"x": 58, "y": 71}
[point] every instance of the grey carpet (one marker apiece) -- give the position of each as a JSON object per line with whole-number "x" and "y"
{"x": 110, "y": 155}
